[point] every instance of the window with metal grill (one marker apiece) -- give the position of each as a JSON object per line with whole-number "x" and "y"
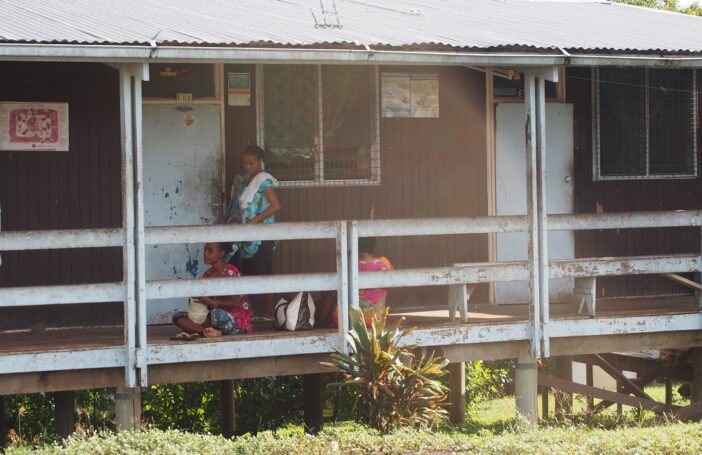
{"x": 645, "y": 123}
{"x": 319, "y": 124}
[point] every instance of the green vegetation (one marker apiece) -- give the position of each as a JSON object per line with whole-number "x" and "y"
{"x": 669, "y": 5}
{"x": 671, "y": 438}
{"x": 394, "y": 384}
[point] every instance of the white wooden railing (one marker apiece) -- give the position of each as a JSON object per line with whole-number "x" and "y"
{"x": 137, "y": 354}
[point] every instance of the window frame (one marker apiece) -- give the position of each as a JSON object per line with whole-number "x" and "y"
{"x": 596, "y": 132}
{"x": 319, "y": 180}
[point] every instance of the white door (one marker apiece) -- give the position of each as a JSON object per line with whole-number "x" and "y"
{"x": 510, "y": 149}
{"x": 182, "y": 173}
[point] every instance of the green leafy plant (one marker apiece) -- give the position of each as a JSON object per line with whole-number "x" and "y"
{"x": 395, "y": 385}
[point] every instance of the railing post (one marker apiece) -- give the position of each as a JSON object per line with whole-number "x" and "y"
{"x": 353, "y": 265}
{"x": 128, "y": 251}
{"x": 342, "y": 268}
{"x": 540, "y": 99}
{"x": 530, "y": 97}
{"x": 141, "y": 342}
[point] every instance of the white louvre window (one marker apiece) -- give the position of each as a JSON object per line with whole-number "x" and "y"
{"x": 319, "y": 124}
{"x": 645, "y": 123}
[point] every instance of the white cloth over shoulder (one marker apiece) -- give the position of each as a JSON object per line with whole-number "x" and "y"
{"x": 252, "y": 188}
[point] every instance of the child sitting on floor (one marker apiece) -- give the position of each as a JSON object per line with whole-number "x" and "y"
{"x": 228, "y": 315}
{"x": 371, "y": 301}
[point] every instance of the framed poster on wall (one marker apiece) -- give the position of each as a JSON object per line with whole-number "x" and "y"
{"x": 34, "y": 126}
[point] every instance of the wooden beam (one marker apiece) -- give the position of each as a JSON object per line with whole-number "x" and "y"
{"x": 65, "y": 413}
{"x": 217, "y": 370}
{"x": 625, "y": 342}
{"x": 603, "y": 394}
{"x": 227, "y": 407}
{"x": 693, "y": 411}
{"x": 683, "y": 281}
{"x": 618, "y": 375}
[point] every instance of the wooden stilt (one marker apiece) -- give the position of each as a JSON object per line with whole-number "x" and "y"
{"x": 590, "y": 380}
{"x": 668, "y": 391}
{"x": 312, "y": 389}
{"x": 564, "y": 400}
{"x": 64, "y": 413}
{"x": 227, "y": 407}
{"x": 544, "y": 403}
{"x": 3, "y": 423}
{"x": 696, "y": 386}
{"x": 128, "y": 408}
{"x": 457, "y": 392}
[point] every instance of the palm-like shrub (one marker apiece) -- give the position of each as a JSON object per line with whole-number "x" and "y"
{"x": 396, "y": 385}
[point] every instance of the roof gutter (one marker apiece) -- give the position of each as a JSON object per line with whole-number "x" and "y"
{"x": 145, "y": 54}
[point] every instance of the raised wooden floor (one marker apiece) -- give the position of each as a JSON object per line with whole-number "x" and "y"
{"x": 458, "y": 341}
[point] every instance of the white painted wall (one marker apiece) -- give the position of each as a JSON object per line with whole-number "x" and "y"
{"x": 181, "y": 187}
{"x": 510, "y": 149}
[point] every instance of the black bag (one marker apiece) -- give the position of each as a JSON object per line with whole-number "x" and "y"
{"x": 295, "y": 315}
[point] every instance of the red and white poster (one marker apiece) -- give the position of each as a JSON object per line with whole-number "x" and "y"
{"x": 34, "y": 126}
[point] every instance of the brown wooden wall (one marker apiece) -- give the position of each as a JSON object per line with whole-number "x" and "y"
{"x": 78, "y": 189}
{"x": 430, "y": 168}
{"x": 627, "y": 196}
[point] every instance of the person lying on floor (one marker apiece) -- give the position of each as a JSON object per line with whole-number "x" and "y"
{"x": 222, "y": 315}
{"x": 372, "y": 301}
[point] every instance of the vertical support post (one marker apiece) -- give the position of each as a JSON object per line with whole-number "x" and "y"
{"x": 564, "y": 400}
{"x": 3, "y": 423}
{"x": 65, "y": 413}
{"x": 140, "y": 291}
{"x": 128, "y": 252}
{"x": 127, "y": 408}
{"x": 590, "y": 380}
{"x": 668, "y": 391}
{"x": 353, "y": 265}
{"x": 544, "y": 403}
{"x": 227, "y": 407}
{"x": 457, "y": 392}
{"x": 491, "y": 168}
{"x": 526, "y": 384}
{"x": 342, "y": 268}
{"x": 542, "y": 250}
{"x": 312, "y": 390}
{"x": 532, "y": 214}
{"x": 696, "y": 386}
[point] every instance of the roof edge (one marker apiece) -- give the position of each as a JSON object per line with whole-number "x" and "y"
{"x": 152, "y": 54}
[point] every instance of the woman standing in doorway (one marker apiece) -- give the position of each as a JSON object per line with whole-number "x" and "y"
{"x": 258, "y": 203}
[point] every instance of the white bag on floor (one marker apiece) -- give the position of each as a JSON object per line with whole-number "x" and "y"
{"x": 295, "y": 315}
{"x": 197, "y": 312}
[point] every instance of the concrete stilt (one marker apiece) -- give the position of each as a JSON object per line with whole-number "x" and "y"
{"x": 227, "y": 407}
{"x": 65, "y": 413}
{"x": 526, "y": 381}
{"x": 312, "y": 389}
{"x": 457, "y": 392}
{"x": 564, "y": 400}
{"x": 128, "y": 408}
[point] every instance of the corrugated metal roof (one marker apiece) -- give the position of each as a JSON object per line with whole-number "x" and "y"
{"x": 475, "y": 24}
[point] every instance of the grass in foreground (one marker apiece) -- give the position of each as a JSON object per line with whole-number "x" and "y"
{"x": 670, "y": 438}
